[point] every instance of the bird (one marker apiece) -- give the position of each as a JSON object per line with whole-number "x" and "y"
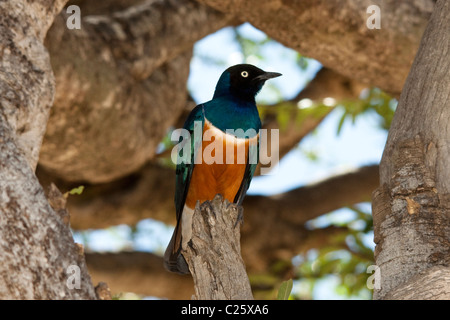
{"x": 232, "y": 108}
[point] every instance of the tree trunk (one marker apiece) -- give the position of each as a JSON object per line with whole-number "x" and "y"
{"x": 411, "y": 206}
{"x": 214, "y": 252}
{"x": 38, "y": 258}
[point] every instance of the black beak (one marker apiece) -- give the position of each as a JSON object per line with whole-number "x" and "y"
{"x": 267, "y": 75}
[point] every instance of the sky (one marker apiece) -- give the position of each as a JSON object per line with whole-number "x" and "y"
{"x": 356, "y": 145}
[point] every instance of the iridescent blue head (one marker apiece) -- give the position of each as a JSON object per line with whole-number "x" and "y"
{"x": 242, "y": 81}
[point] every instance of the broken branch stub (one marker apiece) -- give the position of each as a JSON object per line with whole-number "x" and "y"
{"x": 214, "y": 252}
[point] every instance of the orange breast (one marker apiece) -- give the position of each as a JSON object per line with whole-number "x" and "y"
{"x": 221, "y": 170}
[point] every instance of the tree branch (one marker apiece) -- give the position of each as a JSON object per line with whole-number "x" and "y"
{"x": 138, "y": 272}
{"x": 326, "y": 83}
{"x": 214, "y": 252}
{"x": 379, "y": 57}
{"x": 120, "y": 84}
{"x": 145, "y": 196}
{"x": 143, "y": 273}
{"x": 285, "y": 214}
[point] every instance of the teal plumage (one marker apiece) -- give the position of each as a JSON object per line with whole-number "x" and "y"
{"x": 232, "y": 107}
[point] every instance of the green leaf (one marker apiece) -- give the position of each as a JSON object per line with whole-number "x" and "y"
{"x": 341, "y": 122}
{"x": 285, "y": 290}
{"x": 78, "y": 190}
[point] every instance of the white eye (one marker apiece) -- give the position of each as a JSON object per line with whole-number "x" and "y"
{"x": 244, "y": 74}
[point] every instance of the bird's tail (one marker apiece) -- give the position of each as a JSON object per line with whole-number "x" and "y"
{"x": 173, "y": 259}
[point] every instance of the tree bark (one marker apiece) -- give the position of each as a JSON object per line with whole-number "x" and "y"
{"x": 430, "y": 284}
{"x": 411, "y": 208}
{"x": 334, "y": 32}
{"x": 38, "y": 258}
{"x": 120, "y": 85}
{"x": 27, "y": 84}
{"x": 214, "y": 252}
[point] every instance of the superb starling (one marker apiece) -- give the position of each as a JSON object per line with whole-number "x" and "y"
{"x": 232, "y": 118}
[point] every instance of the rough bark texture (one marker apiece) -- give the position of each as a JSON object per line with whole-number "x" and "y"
{"x": 334, "y": 32}
{"x": 214, "y": 253}
{"x": 430, "y": 284}
{"x": 37, "y": 252}
{"x": 36, "y": 246}
{"x": 120, "y": 84}
{"x": 27, "y": 84}
{"x": 411, "y": 208}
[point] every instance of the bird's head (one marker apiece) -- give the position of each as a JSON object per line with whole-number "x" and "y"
{"x": 243, "y": 81}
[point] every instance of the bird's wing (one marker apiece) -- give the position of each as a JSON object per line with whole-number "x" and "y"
{"x": 185, "y": 167}
{"x": 253, "y": 154}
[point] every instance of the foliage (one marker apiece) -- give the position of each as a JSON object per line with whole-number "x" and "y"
{"x": 285, "y": 290}
{"x": 285, "y": 112}
{"x": 346, "y": 259}
{"x": 371, "y": 100}
{"x": 165, "y": 150}
{"x": 75, "y": 191}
